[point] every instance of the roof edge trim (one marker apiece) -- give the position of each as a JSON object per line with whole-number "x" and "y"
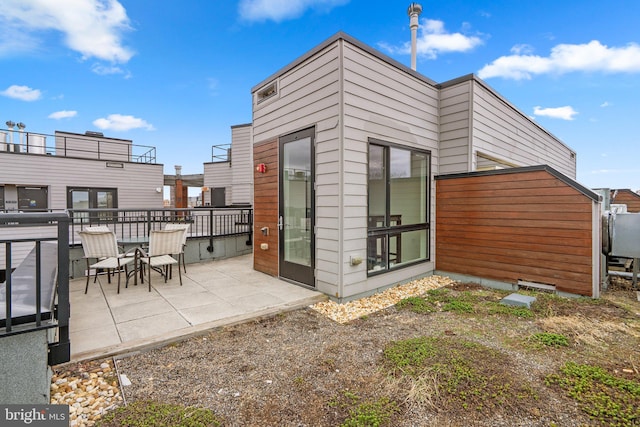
{"x": 562, "y": 177}
{"x": 351, "y": 40}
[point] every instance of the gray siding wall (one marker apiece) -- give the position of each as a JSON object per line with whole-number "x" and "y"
{"x": 454, "y": 128}
{"x": 502, "y": 132}
{"x": 386, "y": 103}
{"x": 217, "y": 175}
{"x": 309, "y": 95}
{"x": 241, "y": 164}
{"x": 136, "y": 182}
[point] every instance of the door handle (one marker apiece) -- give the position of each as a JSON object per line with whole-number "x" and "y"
{"x": 280, "y": 223}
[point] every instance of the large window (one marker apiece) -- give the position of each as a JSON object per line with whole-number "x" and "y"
{"x": 33, "y": 199}
{"x": 398, "y": 229}
{"x": 1, "y": 198}
{"x": 89, "y": 198}
{"x": 92, "y": 198}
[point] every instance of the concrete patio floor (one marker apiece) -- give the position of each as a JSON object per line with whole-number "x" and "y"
{"x": 217, "y": 293}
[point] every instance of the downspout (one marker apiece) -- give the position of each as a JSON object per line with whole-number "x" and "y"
{"x": 340, "y": 292}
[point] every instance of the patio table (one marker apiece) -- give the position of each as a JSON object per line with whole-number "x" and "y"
{"x": 139, "y": 242}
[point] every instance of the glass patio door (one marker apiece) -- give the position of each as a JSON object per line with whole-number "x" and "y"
{"x": 296, "y": 210}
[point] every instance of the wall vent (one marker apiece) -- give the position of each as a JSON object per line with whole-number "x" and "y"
{"x": 267, "y": 92}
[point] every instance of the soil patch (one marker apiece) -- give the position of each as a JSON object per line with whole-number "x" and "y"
{"x": 452, "y": 357}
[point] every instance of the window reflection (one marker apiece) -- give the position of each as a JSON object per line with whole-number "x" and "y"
{"x": 398, "y": 207}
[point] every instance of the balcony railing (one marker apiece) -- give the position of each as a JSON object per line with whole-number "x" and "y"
{"x": 93, "y": 146}
{"x": 35, "y": 292}
{"x": 135, "y": 224}
{"x": 221, "y": 153}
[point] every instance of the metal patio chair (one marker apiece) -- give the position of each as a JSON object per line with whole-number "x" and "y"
{"x": 185, "y": 229}
{"x": 162, "y": 245}
{"x": 103, "y": 247}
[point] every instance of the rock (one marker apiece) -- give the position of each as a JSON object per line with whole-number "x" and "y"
{"x": 88, "y": 394}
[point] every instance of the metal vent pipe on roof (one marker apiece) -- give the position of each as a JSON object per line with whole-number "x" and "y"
{"x": 414, "y": 11}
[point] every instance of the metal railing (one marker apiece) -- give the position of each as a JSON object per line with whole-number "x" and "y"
{"x": 132, "y": 224}
{"x": 221, "y": 153}
{"x": 77, "y": 146}
{"x": 26, "y": 306}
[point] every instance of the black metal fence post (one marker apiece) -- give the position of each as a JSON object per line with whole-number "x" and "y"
{"x": 60, "y": 352}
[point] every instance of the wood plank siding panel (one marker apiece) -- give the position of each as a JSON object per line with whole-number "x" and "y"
{"x": 265, "y": 204}
{"x": 507, "y": 227}
{"x": 136, "y": 182}
{"x": 454, "y": 128}
{"x": 626, "y": 197}
{"x": 501, "y": 131}
{"x": 384, "y": 102}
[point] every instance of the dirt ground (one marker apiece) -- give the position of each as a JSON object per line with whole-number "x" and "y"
{"x": 303, "y": 369}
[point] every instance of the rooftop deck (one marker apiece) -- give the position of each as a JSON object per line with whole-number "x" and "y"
{"x": 91, "y": 145}
{"x": 213, "y": 294}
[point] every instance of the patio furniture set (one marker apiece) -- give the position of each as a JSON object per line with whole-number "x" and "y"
{"x": 163, "y": 249}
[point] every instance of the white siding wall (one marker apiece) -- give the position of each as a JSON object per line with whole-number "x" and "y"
{"x": 308, "y": 95}
{"x": 386, "y": 103}
{"x": 217, "y": 175}
{"x": 242, "y": 164}
{"x": 136, "y": 182}
{"x": 501, "y": 132}
{"x": 454, "y": 128}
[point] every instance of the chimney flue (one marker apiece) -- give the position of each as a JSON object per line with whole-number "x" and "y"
{"x": 414, "y": 11}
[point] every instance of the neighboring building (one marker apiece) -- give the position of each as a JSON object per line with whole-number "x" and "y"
{"x": 347, "y": 144}
{"x": 228, "y": 179}
{"x": 77, "y": 171}
{"x": 40, "y": 173}
{"x": 626, "y": 197}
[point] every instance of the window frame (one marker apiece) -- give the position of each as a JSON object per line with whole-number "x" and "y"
{"x": 389, "y": 229}
{"x": 93, "y": 196}
{"x": 92, "y": 202}
{"x": 43, "y": 188}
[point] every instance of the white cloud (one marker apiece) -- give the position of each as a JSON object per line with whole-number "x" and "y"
{"x": 64, "y": 114}
{"x": 606, "y": 104}
{"x": 564, "y": 113}
{"x": 118, "y": 122}
{"x": 105, "y": 70}
{"x": 282, "y": 10}
{"x": 566, "y": 58}
{"x": 23, "y": 93}
{"x": 433, "y": 40}
{"x": 522, "y": 49}
{"x": 93, "y": 28}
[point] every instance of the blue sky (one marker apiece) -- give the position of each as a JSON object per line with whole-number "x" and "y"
{"x": 177, "y": 74}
